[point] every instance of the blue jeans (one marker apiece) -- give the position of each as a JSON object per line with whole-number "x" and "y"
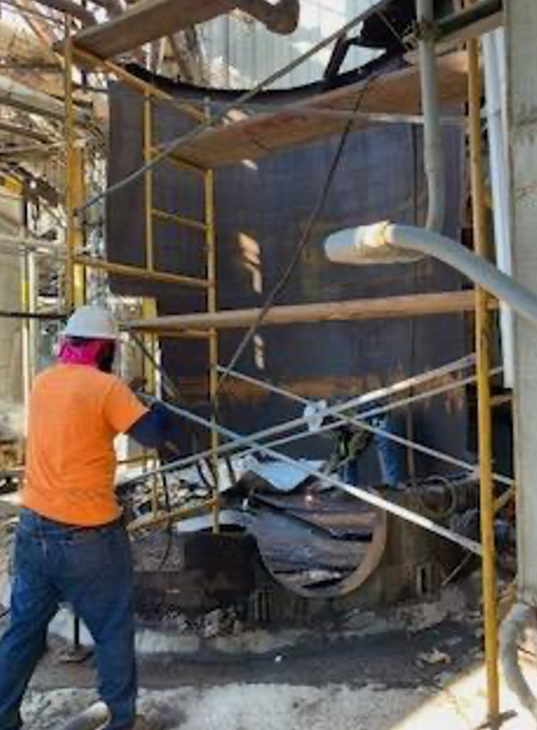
{"x": 390, "y": 454}
{"x": 91, "y": 569}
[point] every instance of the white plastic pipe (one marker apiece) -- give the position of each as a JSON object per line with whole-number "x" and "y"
{"x": 388, "y": 243}
{"x": 494, "y": 65}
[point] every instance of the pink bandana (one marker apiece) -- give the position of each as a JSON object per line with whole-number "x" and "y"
{"x": 82, "y": 355}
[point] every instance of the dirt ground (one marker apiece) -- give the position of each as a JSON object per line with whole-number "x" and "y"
{"x": 422, "y": 671}
{"x": 390, "y": 681}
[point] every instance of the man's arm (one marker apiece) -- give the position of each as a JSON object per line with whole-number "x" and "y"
{"x": 153, "y": 429}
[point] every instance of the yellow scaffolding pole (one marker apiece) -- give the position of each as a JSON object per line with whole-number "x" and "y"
{"x": 78, "y": 191}
{"x": 75, "y": 261}
{"x": 140, "y": 272}
{"x": 483, "y": 349}
{"x": 148, "y": 182}
{"x": 210, "y": 239}
{"x": 70, "y": 173}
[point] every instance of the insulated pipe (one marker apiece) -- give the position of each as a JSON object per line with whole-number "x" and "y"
{"x": 388, "y": 243}
{"x": 493, "y": 56}
{"x": 519, "y": 618}
{"x": 70, "y": 8}
{"x": 282, "y": 17}
{"x": 113, "y": 7}
{"x": 433, "y": 150}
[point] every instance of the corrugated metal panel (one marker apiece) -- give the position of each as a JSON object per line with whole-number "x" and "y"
{"x": 241, "y": 52}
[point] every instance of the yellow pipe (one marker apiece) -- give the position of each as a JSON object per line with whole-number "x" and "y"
{"x": 149, "y": 309}
{"x": 179, "y": 219}
{"x": 26, "y": 332}
{"x": 210, "y": 239}
{"x": 178, "y": 334}
{"x": 77, "y": 192}
{"x": 141, "y": 273}
{"x": 148, "y": 182}
{"x": 483, "y": 335}
{"x": 70, "y": 173}
{"x": 177, "y": 161}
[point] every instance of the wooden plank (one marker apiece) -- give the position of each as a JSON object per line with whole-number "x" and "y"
{"x": 146, "y": 21}
{"x": 252, "y": 137}
{"x": 414, "y": 305}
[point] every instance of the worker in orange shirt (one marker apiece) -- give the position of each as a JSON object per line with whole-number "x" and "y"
{"x": 71, "y": 545}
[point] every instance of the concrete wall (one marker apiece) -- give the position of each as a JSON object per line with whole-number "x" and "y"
{"x": 522, "y": 100}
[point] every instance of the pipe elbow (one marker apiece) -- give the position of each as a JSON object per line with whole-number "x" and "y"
{"x": 281, "y": 18}
{"x": 520, "y": 617}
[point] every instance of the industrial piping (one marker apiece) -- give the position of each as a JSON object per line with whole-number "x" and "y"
{"x": 281, "y": 17}
{"x": 433, "y": 150}
{"x": 388, "y": 243}
{"x": 520, "y": 617}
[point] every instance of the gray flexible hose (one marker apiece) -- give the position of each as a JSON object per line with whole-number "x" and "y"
{"x": 385, "y": 243}
{"x": 481, "y": 272}
{"x": 519, "y": 618}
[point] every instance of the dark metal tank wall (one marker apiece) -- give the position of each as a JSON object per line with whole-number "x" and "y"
{"x": 262, "y": 209}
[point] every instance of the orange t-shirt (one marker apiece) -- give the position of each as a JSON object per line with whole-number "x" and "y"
{"x": 75, "y": 413}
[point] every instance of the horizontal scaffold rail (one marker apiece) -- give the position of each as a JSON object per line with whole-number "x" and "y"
{"x": 412, "y": 305}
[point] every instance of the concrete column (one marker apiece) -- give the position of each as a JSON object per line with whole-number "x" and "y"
{"x": 521, "y": 29}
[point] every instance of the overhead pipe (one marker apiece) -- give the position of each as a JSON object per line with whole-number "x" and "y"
{"x": 433, "y": 149}
{"x": 70, "y": 8}
{"x": 19, "y": 96}
{"x": 113, "y": 7}
{"x": 520, "y": 618}
{"x": 483, "y": 338}
{"x": 281, "y": 18}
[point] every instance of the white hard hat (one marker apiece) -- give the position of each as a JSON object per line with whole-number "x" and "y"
{"x": 92, "y": 323}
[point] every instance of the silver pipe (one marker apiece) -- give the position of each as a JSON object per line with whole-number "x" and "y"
{"x": 520, "y": 617}
{"x": 370, "y": 498}
{"x": 251, "y": 441}
{"x": 359, "y": 420}
{"x": 387, "y": 243}
{"x": 281, "y": 17}
{"x": 433, "y": 150}
{"x": 480, "y": 271}
{"x": 332, "y": 411}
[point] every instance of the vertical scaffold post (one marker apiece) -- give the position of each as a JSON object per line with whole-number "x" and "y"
{"x": 483, "y": 334}
{"x": 70, "y": 171}
{"x": 148, "y": 181}
{"x": 210, "y": 241}
{"x": 149, "y": 308}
